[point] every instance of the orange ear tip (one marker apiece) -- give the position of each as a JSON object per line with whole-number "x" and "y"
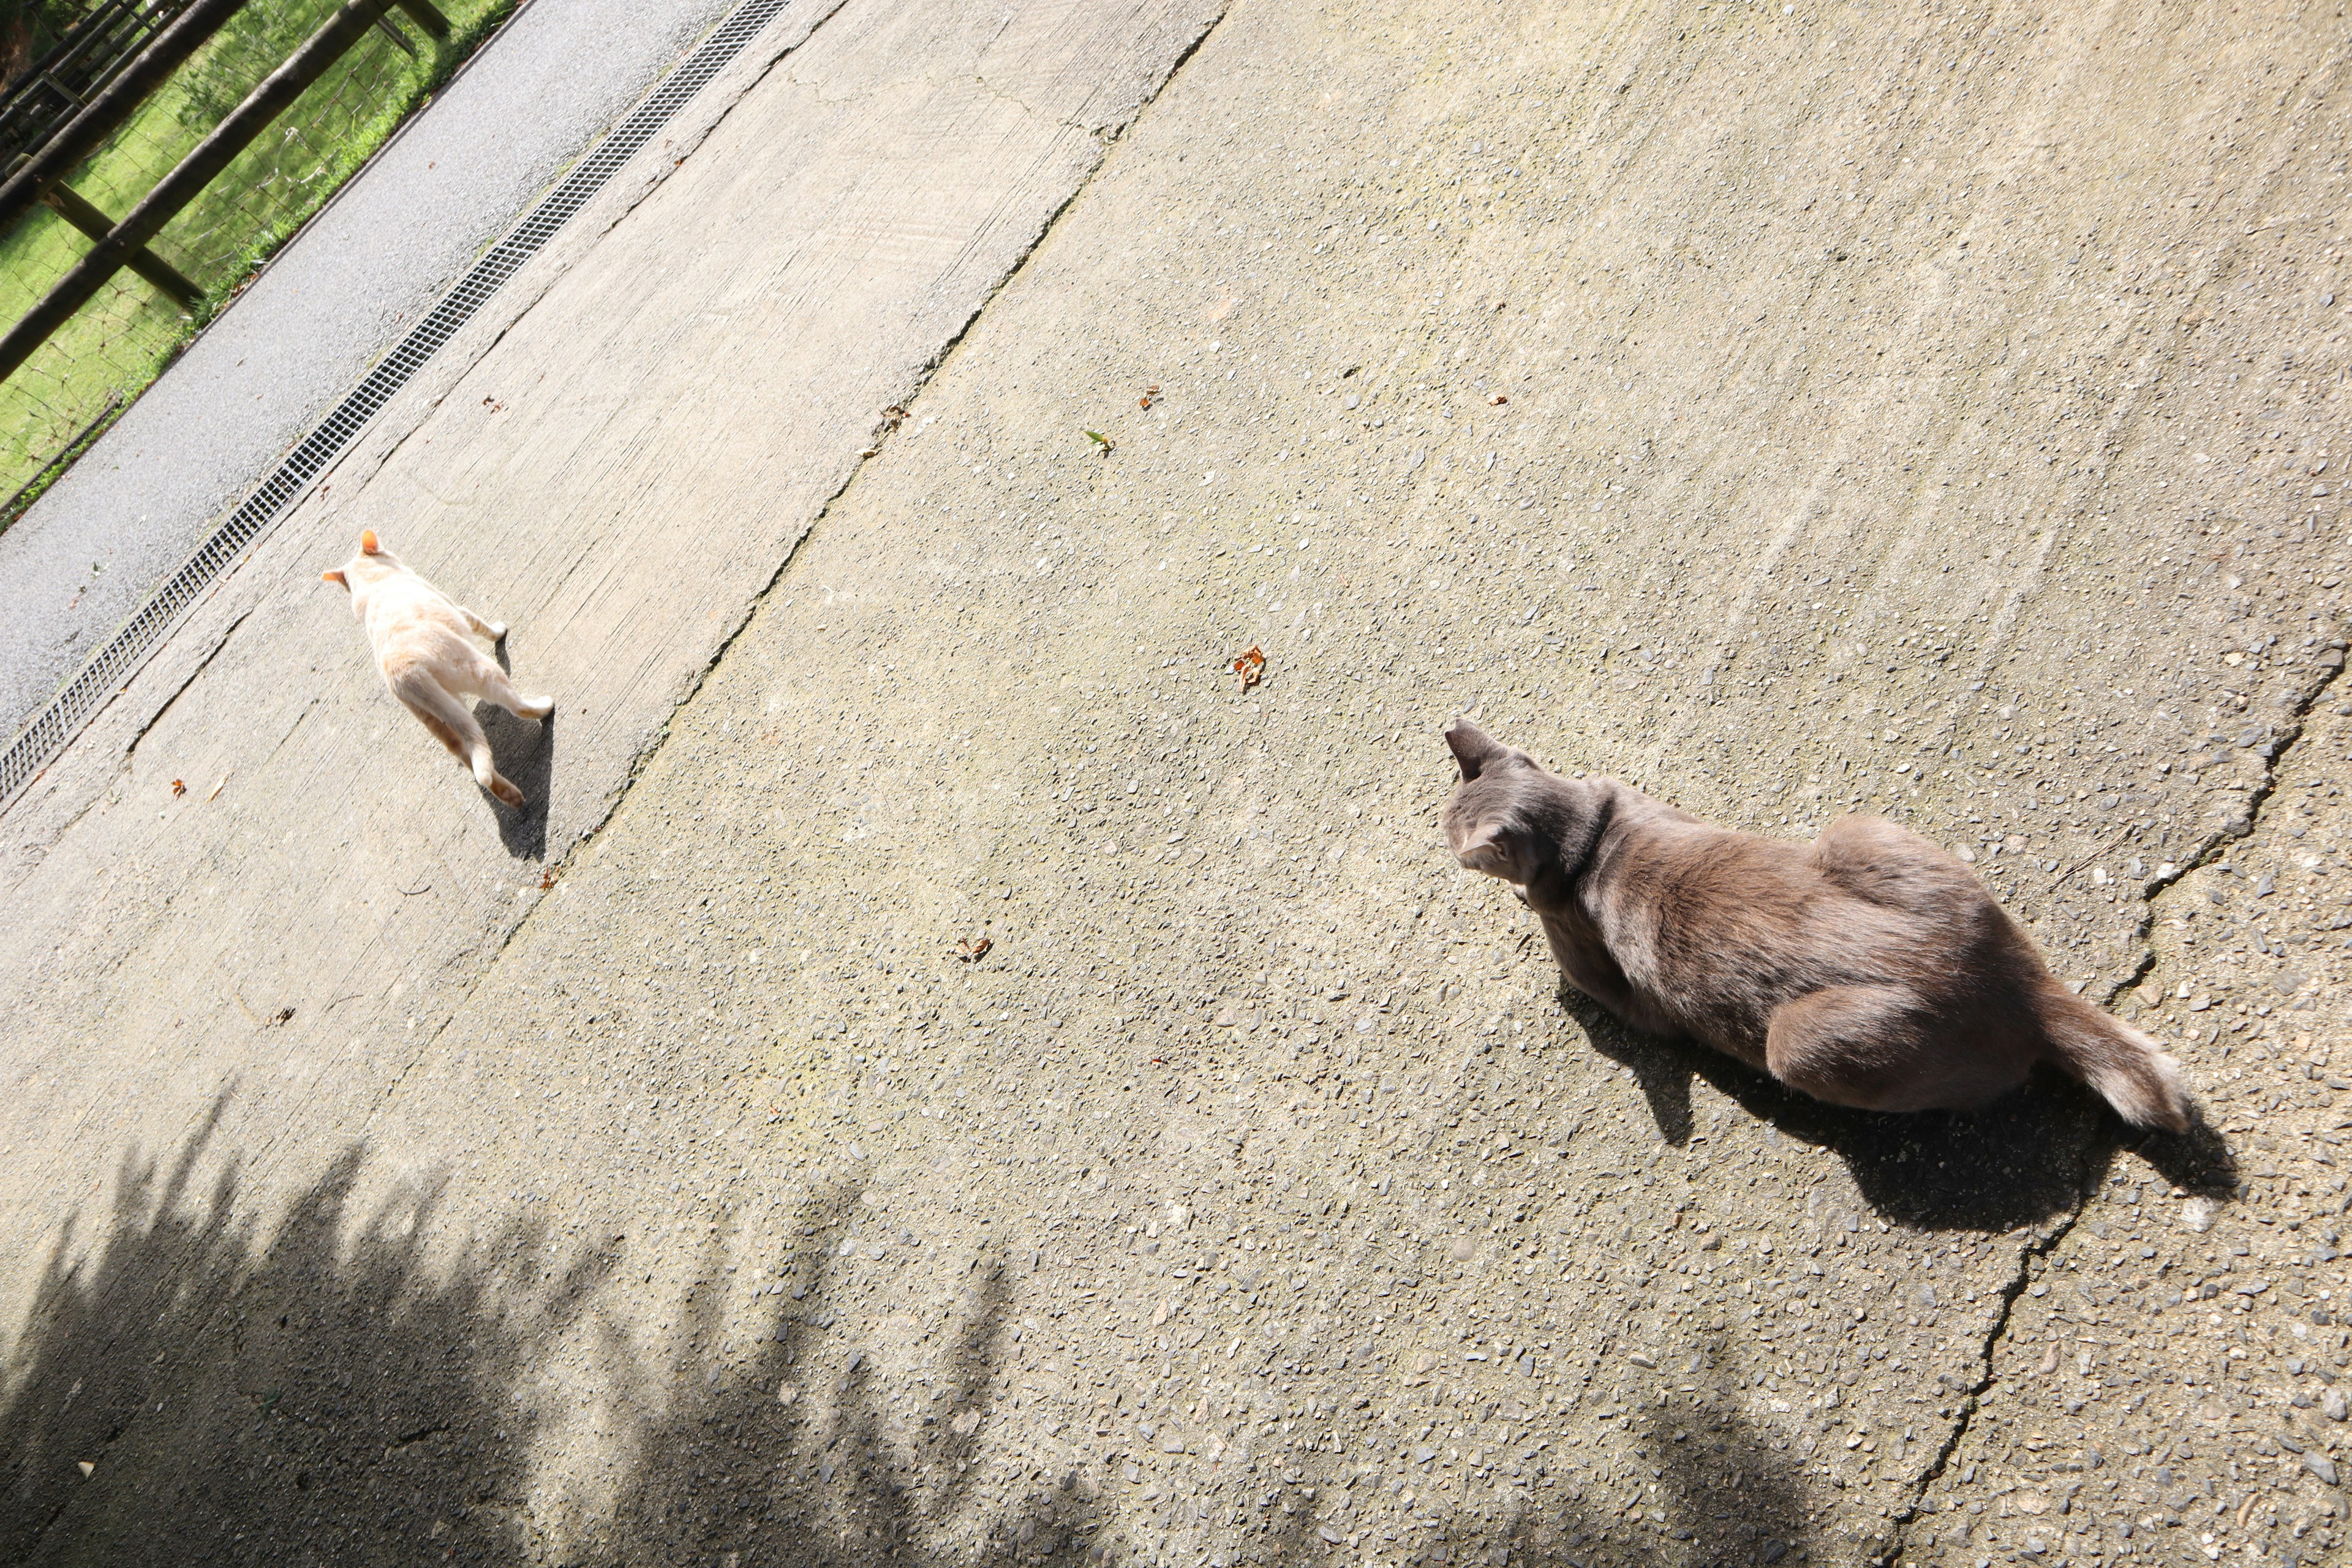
{"x": 368, "y": 542}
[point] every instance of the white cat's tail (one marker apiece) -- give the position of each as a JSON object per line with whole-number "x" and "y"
{"x": 454, "y": 723}
{"x": 2128, "y": 1070}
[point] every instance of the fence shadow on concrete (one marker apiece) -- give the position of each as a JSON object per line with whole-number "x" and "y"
{"x": 336, "y": 1390}
{"x": 2029, "y": 1156}
{"x": 1714, "y": 1490}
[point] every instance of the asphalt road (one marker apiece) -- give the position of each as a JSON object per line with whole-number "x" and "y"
{"x": 84, "y": 557}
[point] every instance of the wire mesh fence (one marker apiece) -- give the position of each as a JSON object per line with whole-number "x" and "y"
{"x": 55, "y": 53}
{"x": 90, "y": 368}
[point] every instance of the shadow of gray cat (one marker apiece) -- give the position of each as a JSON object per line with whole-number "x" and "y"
{"x": 2029, "y": 1156}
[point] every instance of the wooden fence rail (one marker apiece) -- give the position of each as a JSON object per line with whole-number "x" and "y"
{"x": 55, "y": 84}
{"x": 124, "y": 243}
{"x": 110, "y": 107}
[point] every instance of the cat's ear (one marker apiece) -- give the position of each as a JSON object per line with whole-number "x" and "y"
{"x": 368, "y": 543}
{"x": 1496, "y": 851}
{"x": 1474, "y": 749}
{"x": 336, "y": 577}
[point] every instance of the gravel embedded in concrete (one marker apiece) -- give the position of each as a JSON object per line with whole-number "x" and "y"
{"x": 1868, "y": 439}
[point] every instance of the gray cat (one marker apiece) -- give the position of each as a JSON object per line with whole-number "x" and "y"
{"x": 1867, "y": 968}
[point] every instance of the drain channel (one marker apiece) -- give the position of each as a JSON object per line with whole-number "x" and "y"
{"x": 109, "y": 670}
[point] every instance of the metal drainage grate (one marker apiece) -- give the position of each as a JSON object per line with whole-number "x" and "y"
{"x": 111, "y": 667}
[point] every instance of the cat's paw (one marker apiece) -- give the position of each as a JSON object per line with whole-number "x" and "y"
{"x": 498, "y": 631}
{"x": 539, "y": 707}
{"x": 505, "y": 790}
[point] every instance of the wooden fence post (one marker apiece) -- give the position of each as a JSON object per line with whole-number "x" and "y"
{"x": 111, "y": 107}
{"x": 422, "y": 13}
{"x": 68, "y": 204}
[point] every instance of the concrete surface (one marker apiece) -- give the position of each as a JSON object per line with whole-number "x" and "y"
{"x": 84, "y": 557}
{"x": 1788, "y": 412}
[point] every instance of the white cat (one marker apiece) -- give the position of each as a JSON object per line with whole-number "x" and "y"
{"x": 432, "y": 664}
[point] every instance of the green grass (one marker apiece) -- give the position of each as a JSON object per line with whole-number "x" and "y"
{"x": 116, "y": 345}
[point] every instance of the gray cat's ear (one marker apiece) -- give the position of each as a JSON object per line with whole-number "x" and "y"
{"x": 1473, "y": 747}
{"x": 1495, "y": 851}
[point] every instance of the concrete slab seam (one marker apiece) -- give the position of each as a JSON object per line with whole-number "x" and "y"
{"x": 653, "y": 748}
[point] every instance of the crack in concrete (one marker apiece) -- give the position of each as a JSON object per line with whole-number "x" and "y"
{"x": 998, "y": 93}
{"x": 2238, "y": 828}
{"x": 2241, "y": 826}
{"x": 1973, "y": 1399}
{"x": 1102, "y": 133}
{"x": 36, "y": 853}
{"x": 422, "y": 1434}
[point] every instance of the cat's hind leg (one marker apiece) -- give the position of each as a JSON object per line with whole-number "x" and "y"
{"x": 494, "y": 630}
{"x": 494, "y": 684}
{"x": 455, "y": 727}
{"x": 1863, "y": 1046}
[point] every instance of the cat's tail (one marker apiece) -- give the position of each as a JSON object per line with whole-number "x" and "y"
{"x": 2129, "y": 1070}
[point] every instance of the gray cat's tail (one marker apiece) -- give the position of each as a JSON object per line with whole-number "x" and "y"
{"x": 2128, "y": 1070}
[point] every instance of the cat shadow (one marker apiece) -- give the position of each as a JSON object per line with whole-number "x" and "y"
{"x": 523, "y": 830}
{"x": 2029, "y": 1156}
{"x": 2198, "y": 1161}
{"x": 525, "y": 749}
